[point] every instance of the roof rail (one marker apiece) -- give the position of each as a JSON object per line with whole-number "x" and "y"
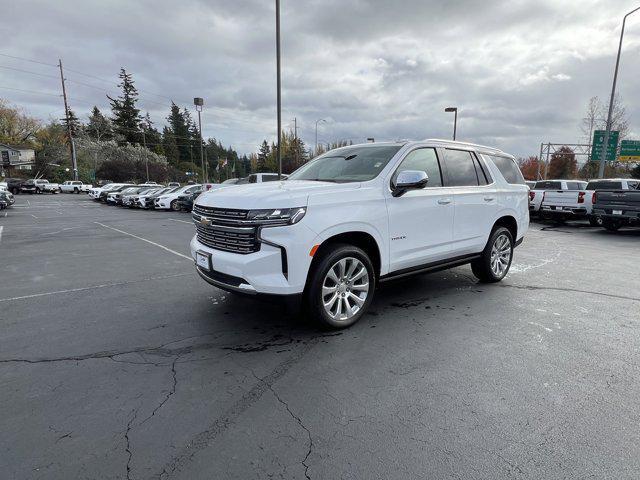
{"x": 455, "y": 142}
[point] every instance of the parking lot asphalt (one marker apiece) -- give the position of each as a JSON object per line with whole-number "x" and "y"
{"x": 117, "y": 361}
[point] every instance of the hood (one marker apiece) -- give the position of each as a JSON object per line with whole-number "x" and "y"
{"x": 287, "y": 194}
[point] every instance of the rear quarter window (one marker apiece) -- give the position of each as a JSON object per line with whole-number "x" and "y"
{"x": 508, "y": 168}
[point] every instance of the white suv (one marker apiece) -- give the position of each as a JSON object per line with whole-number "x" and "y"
{"x": 360, "y": 215}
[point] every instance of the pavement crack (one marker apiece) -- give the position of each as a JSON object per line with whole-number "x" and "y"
{"x": 299, "y": 421}
{"x": 567, "y": 289}
{"x": 171, "y": 391}
{"x": 128, "y": 442}
{"x": 224, "y": 421}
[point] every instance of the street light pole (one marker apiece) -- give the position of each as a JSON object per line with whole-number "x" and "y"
{"x": 455, "y": 119}
{"x": 199, "y": 102}
{"x": 603, "y": 156}
{"x": 318, "y": 121}
{"x": 278, "y": 85}
{"x": 146, "y": 157}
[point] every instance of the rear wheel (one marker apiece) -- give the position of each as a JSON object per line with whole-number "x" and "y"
{"x": 495, "y": 261}
{"x": 75, "y": 190}
{"x": 595, "y": 221}
{"x": 611, "y": 224}
{"x": 38, "y": 190}
{"x": 341, "y": 287}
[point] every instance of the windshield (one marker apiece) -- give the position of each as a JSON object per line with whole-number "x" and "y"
{"x": 348, "y": 164}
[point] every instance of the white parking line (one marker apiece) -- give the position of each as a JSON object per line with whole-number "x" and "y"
{"x": 82, "y": 289}
{"x": 181, "y": 221}
{"x": 1, "y": 228}
{"x": 33, "y": 216}
{"x": 145, "y": 240}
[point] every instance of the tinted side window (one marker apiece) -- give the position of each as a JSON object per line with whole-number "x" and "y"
{"x": 253, "y": 178}
{"x": 634, "y": 185}
{"x": 460, "y": 169}
{"x": 425, "y": 160}
{"x": 604, "y": 185}
{"x": 574, "y": 186}
{"x": 269, "y": 178}
{"x": 509, "y": 170}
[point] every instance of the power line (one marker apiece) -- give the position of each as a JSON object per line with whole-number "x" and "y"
{"x": 28, "y": 60}
{"x": 31, "y": 91}
{"x": 28, "y": 71}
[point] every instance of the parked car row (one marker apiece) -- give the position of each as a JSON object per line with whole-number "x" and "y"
{"x": 610, "y": 203}
{"x": 149, "y": 195}
{"x": 42, "y": 185}
{"x": 6, "y": 199}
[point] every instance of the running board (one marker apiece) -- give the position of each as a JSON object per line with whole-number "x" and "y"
{"x": 430, "y": 267}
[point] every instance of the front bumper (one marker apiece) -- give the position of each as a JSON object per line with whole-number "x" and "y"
{"x": 164, "y": 204}
{"x": 280, "y": 267}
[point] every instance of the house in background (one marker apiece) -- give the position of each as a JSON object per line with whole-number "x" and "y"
{"x": 18, "y": 157}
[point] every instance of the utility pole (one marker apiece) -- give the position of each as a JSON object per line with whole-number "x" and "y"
{"x": 72, "y": 145}
{"x": 278, "y": 86}
{"x": 603, "y": 157}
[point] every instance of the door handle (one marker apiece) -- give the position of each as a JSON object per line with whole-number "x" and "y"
{"x": 444, "y": 201}
{"x": 489, "y": 199}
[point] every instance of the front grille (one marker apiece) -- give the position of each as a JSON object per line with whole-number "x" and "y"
{"x": 226, "y": 230}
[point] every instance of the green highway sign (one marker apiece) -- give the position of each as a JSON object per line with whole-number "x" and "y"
{"x": 598, "y": 142}
{"x": 630, "y": 151}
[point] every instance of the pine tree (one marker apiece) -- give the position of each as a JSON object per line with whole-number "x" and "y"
{"x": 263, "y": 156}
{"x": 152, "y": 137}
{"x": 99, "y": 126}
{"x": 180, "y": 131}
{"x": 169, "y": 147}
{"x": 72, "y": 122}
{"x": 126, "y": 116}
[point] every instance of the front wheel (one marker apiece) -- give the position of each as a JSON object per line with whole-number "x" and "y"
{"x": 341, "y": 287}
{"x": 174, "y": 206}
{"x": 495, "y": 261}
{"x": 38, "y": 190}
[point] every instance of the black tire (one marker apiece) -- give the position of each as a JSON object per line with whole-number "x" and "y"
{"x": 481, "y": 267}
{"x": 595, "y": 221}
{"x": 76, "y": 191}
{"x": 611, "y": 224}
{"x": 174, "y": 206}
{"x": 313, "y": 296}
{"x": 38, "y": 190}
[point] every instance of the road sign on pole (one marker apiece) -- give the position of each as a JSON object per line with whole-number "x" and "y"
{"x": 630, "y": 151}
{"x": 598, "y": 141}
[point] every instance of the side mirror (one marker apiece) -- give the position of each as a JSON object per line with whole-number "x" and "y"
{"x": 409, "y": 180}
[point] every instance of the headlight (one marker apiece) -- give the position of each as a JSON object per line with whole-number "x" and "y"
{"x": 277, "y": 216}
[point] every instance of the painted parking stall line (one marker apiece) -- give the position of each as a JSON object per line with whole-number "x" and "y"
{"x": 146, "y": 240}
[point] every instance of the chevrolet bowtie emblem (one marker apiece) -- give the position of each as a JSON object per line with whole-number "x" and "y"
{"x": 205, "y": 221}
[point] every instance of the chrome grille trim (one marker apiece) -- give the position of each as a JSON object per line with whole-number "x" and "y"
{"x": 225, "y": 229}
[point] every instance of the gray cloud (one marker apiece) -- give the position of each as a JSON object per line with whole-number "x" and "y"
{"x": 521, "y": 72}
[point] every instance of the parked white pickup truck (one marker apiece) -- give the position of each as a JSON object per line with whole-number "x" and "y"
{"x": 39, "y": 185}
{"x": 74, "y": 186}
{"x": 578, "y": 203}
{"x": 542, "y": 188}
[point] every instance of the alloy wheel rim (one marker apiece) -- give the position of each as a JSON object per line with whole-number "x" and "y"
{"x": 345, "y": 289}
{"x": 500, "y": 255}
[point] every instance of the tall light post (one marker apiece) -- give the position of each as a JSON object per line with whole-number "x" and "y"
{"x": 603, "y": 156}
{"x": 453, "y": 110}
{"x": 278, "y": 85}
{"x": 199, "y": 102}
{"x": 320, "y": 120}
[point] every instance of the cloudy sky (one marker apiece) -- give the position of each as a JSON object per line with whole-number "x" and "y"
{"x": 521, "y": 72}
